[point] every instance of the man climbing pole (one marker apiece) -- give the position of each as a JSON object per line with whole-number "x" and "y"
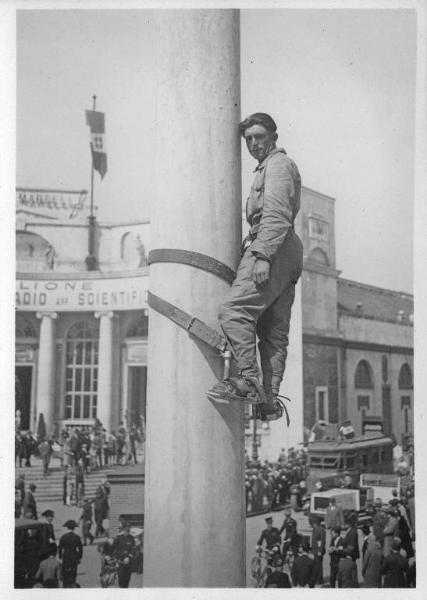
{"x": 261, "y": 297}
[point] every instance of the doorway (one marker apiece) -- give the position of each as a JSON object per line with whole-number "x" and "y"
{"x": 23, "y": 380}
{"x": 137, "y": 395}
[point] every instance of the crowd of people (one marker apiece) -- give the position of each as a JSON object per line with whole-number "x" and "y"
{"x": 92, "y": 445}
{"x": 81, "y": 451}
{"x": 379, "y": 552}
{"x": 59, "y": 569}
{"x": 270, "y": 485}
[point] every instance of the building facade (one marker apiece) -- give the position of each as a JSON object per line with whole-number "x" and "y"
{"x": 81, "y": 336}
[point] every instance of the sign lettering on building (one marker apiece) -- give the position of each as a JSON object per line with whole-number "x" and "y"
{"x": 62, "y": 205}
{"x": 126, "y": 293}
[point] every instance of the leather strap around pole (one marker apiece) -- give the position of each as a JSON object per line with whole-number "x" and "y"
{"x": 194, "y": 259}
{"x": 193, "y": 325}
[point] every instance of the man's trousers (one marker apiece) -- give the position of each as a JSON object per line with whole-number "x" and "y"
{"x": 249, "y": 311}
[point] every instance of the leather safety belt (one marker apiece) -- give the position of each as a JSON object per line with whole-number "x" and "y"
{"x": 192, "y": 324}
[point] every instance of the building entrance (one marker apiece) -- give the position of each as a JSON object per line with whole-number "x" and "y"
{"x": 23, "y": 379}
{"x": 137, "y": 395}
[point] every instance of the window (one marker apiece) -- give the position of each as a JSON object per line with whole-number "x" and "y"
{"x": 406, "y": 415}
{"x": 124, "y": 245}
{"x": 30, "y": 245}
{"x": 139, "y": 327}
{"x": 363, "y": 376}
{"x": 350, "y": 461}
{"x": 405, "y": 377}
{"x": 374, "y": 457}
{"x": 384, "y": 368}
{"x": 318, "y": 228}
{"x": 322, "y": 409}
{"x": 81, "y": 371}
{"x": 363, "y": 402}
{"x": 405, "y": 402}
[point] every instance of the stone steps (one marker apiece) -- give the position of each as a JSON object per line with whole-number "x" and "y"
{"x": 50, "y": 488}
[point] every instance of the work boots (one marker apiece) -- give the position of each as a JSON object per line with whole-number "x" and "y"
{"x": 274, "y": 406}
{"x": 242, "y": 388}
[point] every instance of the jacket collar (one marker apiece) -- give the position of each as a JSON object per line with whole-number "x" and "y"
{"x": 261, "y": 165}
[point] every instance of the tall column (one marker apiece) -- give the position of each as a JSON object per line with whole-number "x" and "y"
{"x": 45, "y": 397}
{"x": 194, "y": 495}
{"x": 105, "y": 368}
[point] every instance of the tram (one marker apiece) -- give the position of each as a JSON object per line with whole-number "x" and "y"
{"x": 338, "y": 459}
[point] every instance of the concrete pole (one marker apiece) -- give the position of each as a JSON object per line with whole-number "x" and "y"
{"x": 105, "y": 368}
{"x": 194, "y": 496}
{"x": 46, "y": 369}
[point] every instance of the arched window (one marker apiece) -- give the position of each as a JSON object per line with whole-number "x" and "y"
{"x": 405, "y": 377}
{"x": 318, "y": 256}
{"x": 124, "y": 246}
{"x": 30, "y": 244}
{"x": 139, "y": 327}
{"x": 81, "y": 371}
{"x": 23, "y": 328}
{"x": 363, "y": 377}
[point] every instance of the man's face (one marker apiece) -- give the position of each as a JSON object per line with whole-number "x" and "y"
{"x": 259, "y": 141}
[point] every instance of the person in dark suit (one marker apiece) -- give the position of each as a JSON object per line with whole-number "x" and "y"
{"x": 289, "y": 526}
{"x": 86, "y": 519}
{"x": 318, "y": 544}
{"x": 335, "y": 552}
{"x": 123, "y": 551}
{"x": 70, "y": 553}
{"x": 29, "y": 505}
{"x": 20, "y": 488}
{"x": 395, "y": 567}
{"x": 270, "y": 535}
{"x": 303, "y": 573}
{"x": 347, "y": 570}
{"x": 49, "y": 516}
{"x": 351, "y": 536}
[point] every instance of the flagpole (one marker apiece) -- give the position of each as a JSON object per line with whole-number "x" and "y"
{"x": 91, "y": 260}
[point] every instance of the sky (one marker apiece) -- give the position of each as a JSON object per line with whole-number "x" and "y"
{"x": 339, "y": 83}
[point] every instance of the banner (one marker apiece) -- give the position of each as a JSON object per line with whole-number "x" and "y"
{"x": 96, "y": 122}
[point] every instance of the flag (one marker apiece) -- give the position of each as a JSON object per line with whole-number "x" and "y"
{"x": 96, "y": 122}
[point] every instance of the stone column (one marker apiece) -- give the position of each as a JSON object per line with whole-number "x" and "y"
{"x": 45, "y": 397}
{"x": 194, "y": 496}
{"x": 105, "y": 368}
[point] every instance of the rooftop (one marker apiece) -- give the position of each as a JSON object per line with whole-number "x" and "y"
{"x": 371, "y": 302}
